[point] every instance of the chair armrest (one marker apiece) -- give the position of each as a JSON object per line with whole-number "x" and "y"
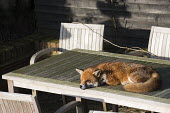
{"x": 69, "y": 106}
{"x": 41, "y": 53}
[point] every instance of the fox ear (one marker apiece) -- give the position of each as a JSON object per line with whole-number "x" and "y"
{"x": 97, "y": 73}
{"x": 80, "y": 71}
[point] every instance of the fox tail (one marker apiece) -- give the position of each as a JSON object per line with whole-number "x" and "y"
{"x": 150, "y": 85}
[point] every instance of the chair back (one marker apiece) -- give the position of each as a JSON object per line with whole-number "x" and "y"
{"x": 159, "y": 42}
{"x": 81, "y": 36}
{"x": 18, "y": 103}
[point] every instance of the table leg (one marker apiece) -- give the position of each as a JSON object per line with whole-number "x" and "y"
{"x": 34, "y": 92}
{"x": 10, "y": 86}
{"x": 64, "y": 99}
{"x": 114, "y": 107}
{"x": 78, "y": 99}
{"x": 104, "y": 106}
{"x": 81, "y": 109}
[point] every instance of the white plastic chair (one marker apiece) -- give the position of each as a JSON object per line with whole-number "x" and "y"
{"x": 18, "y": 103}
{"x": 25, "y": 103}
{"x": 76, "y": 35}
{"x": 159, "y": 42}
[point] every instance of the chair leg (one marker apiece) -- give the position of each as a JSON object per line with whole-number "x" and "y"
{"x": 66, "y": 108}
{"x": 85, "y": 107}
{"x": 79, "y": 109}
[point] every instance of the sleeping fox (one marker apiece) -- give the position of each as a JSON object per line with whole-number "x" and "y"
{"x": 133, "y": 77}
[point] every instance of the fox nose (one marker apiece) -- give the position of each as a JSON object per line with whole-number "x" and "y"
{"x": 81, "y": 86}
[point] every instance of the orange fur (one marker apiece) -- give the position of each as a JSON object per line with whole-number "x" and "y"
{"x": 134, "y": 77}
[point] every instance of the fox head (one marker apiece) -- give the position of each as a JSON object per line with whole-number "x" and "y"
{"x": 90, "y": 78}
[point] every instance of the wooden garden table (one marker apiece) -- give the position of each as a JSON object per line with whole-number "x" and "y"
{"x": 57, "y": 75}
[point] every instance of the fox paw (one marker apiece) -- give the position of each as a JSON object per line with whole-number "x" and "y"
{"x": 103, "y": 80}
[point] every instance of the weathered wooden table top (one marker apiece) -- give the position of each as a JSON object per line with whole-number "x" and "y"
{"x": 60, "y": 70}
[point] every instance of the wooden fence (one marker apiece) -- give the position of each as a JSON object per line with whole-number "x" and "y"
{"x": 127, "y": 22}
{"x": 17, "y": 19}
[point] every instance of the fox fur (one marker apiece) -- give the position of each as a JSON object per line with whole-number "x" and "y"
{"x": 133, "y": 77}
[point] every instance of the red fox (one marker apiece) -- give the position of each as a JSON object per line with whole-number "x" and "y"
{"x": 133, "y": 77}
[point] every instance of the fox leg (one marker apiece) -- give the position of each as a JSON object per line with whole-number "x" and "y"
{"x": 113, "y": 81}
